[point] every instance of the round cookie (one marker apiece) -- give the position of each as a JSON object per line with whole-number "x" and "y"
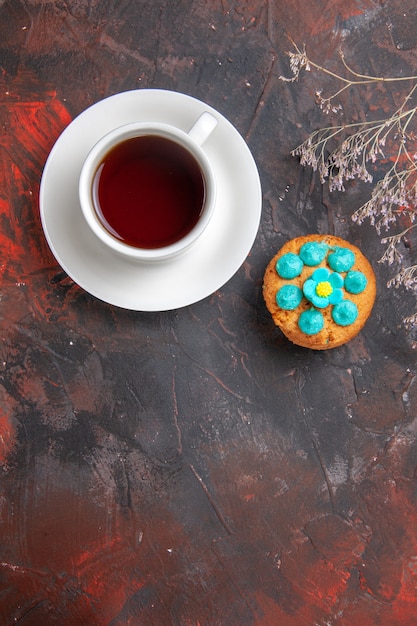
{"x": 320, "y": 291}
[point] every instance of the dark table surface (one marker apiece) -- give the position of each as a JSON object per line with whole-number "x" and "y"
{"x": 192, "y": 467}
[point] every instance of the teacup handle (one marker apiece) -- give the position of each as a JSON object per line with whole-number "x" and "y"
{"x": 203, "y": 127}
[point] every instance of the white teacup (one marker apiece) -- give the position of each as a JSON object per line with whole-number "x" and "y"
{"x": 147, "y": 189}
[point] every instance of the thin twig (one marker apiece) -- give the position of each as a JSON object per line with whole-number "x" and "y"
{"x": 361, "y": 143}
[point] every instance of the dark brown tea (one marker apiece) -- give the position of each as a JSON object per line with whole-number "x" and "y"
{"x": 149, "y": 192}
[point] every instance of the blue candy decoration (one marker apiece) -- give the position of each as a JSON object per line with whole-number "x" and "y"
{"x": 311, "y": 322}
{"x": 289, "y": 297}
{"x": 289, "y": 266}
{"x": 345, "y": 313}
{"x": 341, "y": 260}
{"x": 313, "y": 253}
{"x": 355, "y": 282}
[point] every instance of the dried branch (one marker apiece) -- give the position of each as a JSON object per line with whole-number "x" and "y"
{"x": 344, "y": 152}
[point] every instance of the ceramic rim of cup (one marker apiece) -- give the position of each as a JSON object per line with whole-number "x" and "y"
{"x": 92, "y": 162}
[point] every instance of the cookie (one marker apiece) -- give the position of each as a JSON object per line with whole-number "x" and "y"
{"x": 320, "y": 291}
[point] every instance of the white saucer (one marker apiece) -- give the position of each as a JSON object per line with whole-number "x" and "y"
{"x": 188, "y": 278}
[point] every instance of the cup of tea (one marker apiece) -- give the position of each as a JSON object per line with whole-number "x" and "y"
{"x": 147, "y": 189}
